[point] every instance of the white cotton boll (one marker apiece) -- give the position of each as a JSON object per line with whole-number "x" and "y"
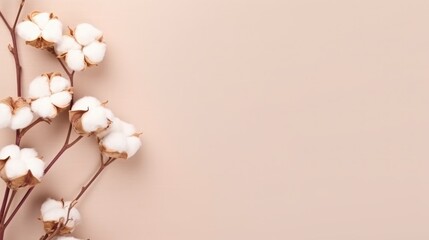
{"x": 109, "y": 114}
{"x": 86, "y": 103}
{"x": 95, "y": 52}
{"x": 22, "y": 118}
{"x": 115, "y": 125}
{"x": 50, "y": 204}
{"x": 133, "y": 145}
{"x": 128, "y": 129}
{"x": 66, "y": 44}
{"x": 75, "y": 60}
{"x": 11, "y": 151}
{"x": 86, "y": 33}
{"x": 55, "y": 210}
{"x": 115, "y": 142}
{"x": 44, "y": 107}
{"x": 15, "y": 168}
{"x": 53, "y": 31}
{"x": 59, "y": 84}
{"x": 36, "y": 166}
{"x": 28, "y": 31}
{"x": 94, "y": 119}
{"x": 54, "y": 214}
{"x": 28, "y": 153}
{"x": 5, "y": 115}
{"x": 61, "y": 99}
{"x": 41, "y": 19}
{"x": 39, "y": 87}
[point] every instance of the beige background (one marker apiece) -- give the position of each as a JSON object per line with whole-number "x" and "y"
{"x": 287, "y": 119}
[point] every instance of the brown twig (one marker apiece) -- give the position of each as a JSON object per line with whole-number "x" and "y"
{"x": 103, "y": 166}
{"x": 12, "y": 196}
{"x": 4, "y": 203}
{"x": 5, "y": 22}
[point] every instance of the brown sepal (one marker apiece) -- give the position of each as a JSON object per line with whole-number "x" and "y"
{"x": 41, "y": 44}
{"x": 23, "y": 181}
{"x": 112, "y": 153}
{"x": 51, "y": 226}
{"x": 75, "y": 119}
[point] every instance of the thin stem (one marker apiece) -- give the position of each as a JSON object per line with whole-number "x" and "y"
{"x": 5, "y": 22}
{"x": 21, "y": 6}
{"x": 64, "y": 67}
{"x": 12, "y": 196}
{"x": 4, "y": 203}
{"x": 96, "y": 175}
{"x": 15, "y": 211}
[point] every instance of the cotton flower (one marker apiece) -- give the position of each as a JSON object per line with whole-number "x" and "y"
{"x": 41, "y": 30}
{"x": 120, "y": 140}
{"x": 15, "y": 114}
{"x": 59, "y": 212}
{"x": 21, "y": 167}
{"x": 88, "y": 116}
{"x": 84, "y": 47}
{"x": 50, "y": 93}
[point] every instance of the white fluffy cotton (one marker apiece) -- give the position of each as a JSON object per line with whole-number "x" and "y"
{"x": 5, "y": 115}
{"x": 49, "y": 94}
{"x": 95, "y": 119}
{"x": 20, "y": 162}
{"x": 96, "y": 116}
{"x": 15, "y": 114}
{"x": 86, "y": 33}
{"x": 53, "y": 31}
{"x": 53, "y": 210}
{"x": 40, "y": 25}
{"x": 85, "y": 48}
{"x": 41, "y": 19}
{"x": 95, "y": 52}
{"x": 39, "y": 87}
{"x": 44, "y": 107}
{"x": 22, "y": 118}
{"x": 59, "y": 84}
{"x": 61, "y": 99}
{"x": 66, "y": 44}
{"x": 86, "y": 103}
{"x": 120, "y": 137}
{"x": 28, "y": 31}
{"x": 75, "y": 60}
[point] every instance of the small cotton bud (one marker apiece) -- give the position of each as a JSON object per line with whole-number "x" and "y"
{"x": 22, "y": 167}
{"x": 59, "y": 212}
